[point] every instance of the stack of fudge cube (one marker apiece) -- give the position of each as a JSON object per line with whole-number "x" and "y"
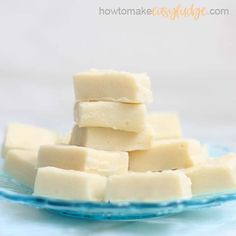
{"x": 110, "y": 111}
{"x": 116, "y": 151}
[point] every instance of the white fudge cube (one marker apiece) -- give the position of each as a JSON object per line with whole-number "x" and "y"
{"x": 22, "y": 165}
{"x": 69, "y": 184}
{"x": 110, "y": 139}
{"x": 214, "y": 176}
{"x": 168, "y": 154}
{"x": 109, "y": 85}
{"x": 115, "y": 115}
{"x": 149, "y": 186}
{"x": 83, "y": 159}
{"x": 20, "y": 136}
{"x": 165, "y": 125}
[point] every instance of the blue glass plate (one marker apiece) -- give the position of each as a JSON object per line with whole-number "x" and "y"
{"x": 18, "y": 193}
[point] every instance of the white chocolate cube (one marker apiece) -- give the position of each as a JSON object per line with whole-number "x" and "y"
{"x": 22, "y": 165}
{"x": 110, "y": 139}
{"x": 168, "y": 154}
{"x": 83, "y": 159}
{"x": 115, "y": 115}
{"x": 165, "y": 125}
{"x": 109, "y": 85}
{"x": 149, "y": 186}
{"x": 20, "y": 136}
{"x": 69, "y": 184}
{"x": 214, "y": 176}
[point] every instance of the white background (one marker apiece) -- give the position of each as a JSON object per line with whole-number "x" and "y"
{"x": 191, "y": 63}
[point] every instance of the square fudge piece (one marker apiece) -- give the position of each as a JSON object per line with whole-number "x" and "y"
{"x": 69, "y": 184}
{"x": 20, "y": 136}
{"x": 217, "y": 175}
{"x": 22, "y": 165}
{"x": 83, "y": 159}
{"x": 149, "y": 186}
{"x": 110, "y": 139}
{"x": 168, "y": 154}
{"x": 115, "y": 115}
{"x": 165, "y": 125}
{"x": 109, "y": 85}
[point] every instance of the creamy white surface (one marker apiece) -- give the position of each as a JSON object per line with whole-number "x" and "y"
{"x": 168, "y": 154}
{"x": 148, "y": 187}
{"x": 22, "y": 165}
{"x": 111, "y": 85}
{"x": 191, "y": 64}
{"x": 24, "y": 136}
{"x": 115, "y": 115}
{"x": 214, "y": 176}
{"x": 69, "y": 184}
{"x": 165, "y": 125}
{"x": 110, "y": 139}
{"x": 83, "y": 159}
